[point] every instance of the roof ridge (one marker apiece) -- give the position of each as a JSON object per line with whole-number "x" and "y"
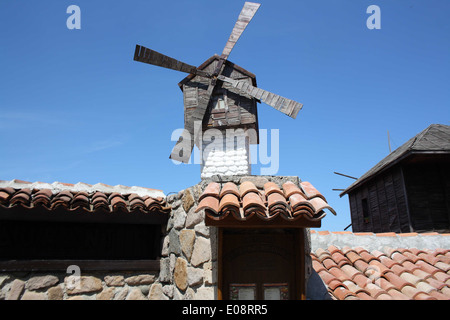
{"x": 378, "y": 241}
{"x": 57, "y": 186}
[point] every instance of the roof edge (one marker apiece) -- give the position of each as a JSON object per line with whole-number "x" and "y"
{"x": 378, "y": 241}
{"x": 57, "y": 187}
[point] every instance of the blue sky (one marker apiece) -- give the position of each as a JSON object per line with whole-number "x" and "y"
{"x": 75, "y": 107}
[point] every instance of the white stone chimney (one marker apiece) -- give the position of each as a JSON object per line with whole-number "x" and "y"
{"x": 227, "y": 153}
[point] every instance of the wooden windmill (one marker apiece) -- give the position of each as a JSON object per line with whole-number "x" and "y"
{"x": 218, "y": 94}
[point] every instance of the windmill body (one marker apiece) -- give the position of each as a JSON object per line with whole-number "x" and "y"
{"x": 228, "y": 111}
{"x": 220, "y": 99}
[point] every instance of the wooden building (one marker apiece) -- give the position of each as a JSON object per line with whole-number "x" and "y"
{"x": 409, "y": 190}
{"x": 229, "y": 106}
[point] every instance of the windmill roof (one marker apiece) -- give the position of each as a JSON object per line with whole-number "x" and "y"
{"x": 434, "y": 139}
{"x": 209, "y": 61}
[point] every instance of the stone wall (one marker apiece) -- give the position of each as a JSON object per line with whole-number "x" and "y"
{"x": 95, "y": 286}
{"x": 189, "y": 252}
{"x": 188, "y": 264}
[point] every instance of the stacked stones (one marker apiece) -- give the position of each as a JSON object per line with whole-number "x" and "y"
{"x": 189, "y": 253}
{"x": 227, "y": 157}
{"x": 61, "y": 287}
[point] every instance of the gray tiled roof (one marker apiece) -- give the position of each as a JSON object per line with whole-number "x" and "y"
{"x": 435, "y": 138}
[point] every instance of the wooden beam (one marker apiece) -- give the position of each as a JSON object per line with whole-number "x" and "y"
{"x": 60, "y": 214}
{"x": 344, "y": 175}
{"x": 300, "y": 269}
{"x": 255, "y": 222}
{"x": 220, "y": 264}
{"x": 85, "y": 265}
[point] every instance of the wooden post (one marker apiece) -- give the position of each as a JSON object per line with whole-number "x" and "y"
{"x": 219, "y": 263}
{"x": 300, "y": 270}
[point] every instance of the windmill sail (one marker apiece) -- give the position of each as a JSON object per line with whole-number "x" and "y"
{"x": 284, "y": 105}
{"x": 246, "y": 15}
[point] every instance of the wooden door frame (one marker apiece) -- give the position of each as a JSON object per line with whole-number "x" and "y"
{"x": 299, "y": 258}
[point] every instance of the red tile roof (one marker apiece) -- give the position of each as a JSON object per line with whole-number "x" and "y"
{"x": 75, "y": 197}
{"x": 245, "y": 200}
{"x": 356, "y": 273}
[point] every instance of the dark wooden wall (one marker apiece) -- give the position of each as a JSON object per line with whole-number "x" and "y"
{"x": 386, "y": 204}
{"x": 37, "y": 240}
{"x": 411, "y": 196}
{"x": 241, "y": 109}
{"x": 428, "y": 187}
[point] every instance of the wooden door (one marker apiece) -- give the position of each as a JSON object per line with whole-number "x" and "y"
{"x": 260, "y": 264}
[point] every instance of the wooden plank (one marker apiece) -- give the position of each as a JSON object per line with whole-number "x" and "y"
{"x": 60, "y": 214}
{"x": 254, "y": 222}
{"x": 220, "y": 288}
{"x": 278, "y": 102}
{"x": 246, "y": 15}
{"x": 146, "y": 55}
{"x": 85, "y": 265}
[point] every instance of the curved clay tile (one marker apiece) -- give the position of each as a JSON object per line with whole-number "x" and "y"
{"x": 114, "y": 195}
{"x": 81, "y": 196}
{"x": 229, "y": 200}
{"x": 137, "y": 203}
{"x": 229, "y": 188}
{"x": 310, "y": 191}
{"x": 134, "y": 196}
{"x": 276, "y": 199}
{"x": 99, "y": 200}
{"x": 64, "y": 195}
{"x": 81, "y": 199}
{"x": 118, "y": 202}
{"x": 209, "y": 203}
{"x": 319, "y": 205}
{"x": 43, "y": 197}
{"x": 252, "y": 203}
{"x": 149, "y": 202}
{"x": 23, "y": 197}
{"x": 230, "y": 204}
{"x": 271, "y": 187}
{"x": 211, "y": 190}
{"x": 297, "y": 199}
{"x": 246, "y": 187}
{"x": 5, "y": 194}
{"x": 99, "y": 196}
{"x": 291, "y": 188}
{"x": 305, "y": 210}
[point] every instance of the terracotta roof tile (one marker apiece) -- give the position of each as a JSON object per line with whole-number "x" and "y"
{"x": 244, "y": 199}
{"x": 229, "y": 187}
{"x": 342, "y": 293}
{"x": 271, "y": 187}
{"x": 213, "y": 190}
{"x": 210, "y": 203}
{"x": 244, "y": 188}
{"x": 291, "y": 188}
{"x": 88, "y": 201}
{"x": 310, "y": 191}
{"x": 395, "y": 274}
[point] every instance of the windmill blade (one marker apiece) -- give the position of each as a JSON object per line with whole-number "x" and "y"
{"x": 246, "y": 15}
{"x": 191, "y": 134}
{"x": 143, "y": 54}
{"x": 284, "y": 105}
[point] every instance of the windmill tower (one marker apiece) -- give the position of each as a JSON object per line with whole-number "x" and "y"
{"x": 223, "y": 96}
